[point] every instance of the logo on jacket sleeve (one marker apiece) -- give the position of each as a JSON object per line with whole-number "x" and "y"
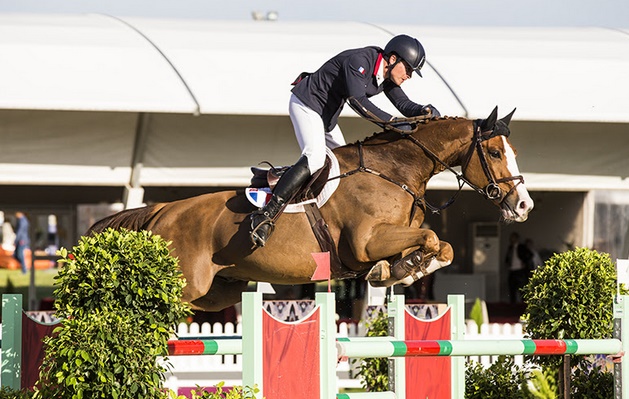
{"x": 361, "y": 70}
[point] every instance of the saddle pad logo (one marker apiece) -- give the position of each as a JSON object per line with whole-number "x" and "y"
{"x": 258, "y": 196}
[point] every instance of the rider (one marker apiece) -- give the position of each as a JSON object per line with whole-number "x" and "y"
{"x": 317, "y": 100}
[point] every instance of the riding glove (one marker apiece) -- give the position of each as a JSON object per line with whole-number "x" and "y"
{"x": 402, "y": 124}
{"x": 428, "y": 109}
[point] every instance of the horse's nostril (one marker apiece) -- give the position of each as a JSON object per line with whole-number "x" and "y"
{"x": 523, "y": 205}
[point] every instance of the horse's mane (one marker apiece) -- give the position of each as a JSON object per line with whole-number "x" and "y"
{"x": 394, "y": 135}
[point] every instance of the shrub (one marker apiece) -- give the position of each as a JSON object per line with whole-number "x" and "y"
{"x": 542, "y": 384}
{"x": 119, "y": 295}
{"x": 374, "y": 372}
{"x": 592, "y": 384}
{"x": 571, "y": 296}
{"x": 121, "y": 271}
{"x": 501, "y": 380}
{"x": 236, "y": 392}
{"x": 8, "y": 393}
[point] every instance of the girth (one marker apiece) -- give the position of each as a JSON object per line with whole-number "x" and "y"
{"x": 326, "y": 242}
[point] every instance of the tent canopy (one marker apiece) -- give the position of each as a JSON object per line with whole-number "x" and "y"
{"x": 103, "y": 63}
{"x": 99, "y": 100}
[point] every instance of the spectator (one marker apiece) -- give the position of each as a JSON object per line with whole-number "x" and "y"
{"x": 22, "y": 239}
{"x": 536, "y": 260}
{"x": 517, "y": 263}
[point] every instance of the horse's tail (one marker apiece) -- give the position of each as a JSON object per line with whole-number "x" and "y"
{"x": 131, "y": 219}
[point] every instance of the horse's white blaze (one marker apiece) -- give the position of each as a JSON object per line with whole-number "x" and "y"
{"x": 524, "y": 202}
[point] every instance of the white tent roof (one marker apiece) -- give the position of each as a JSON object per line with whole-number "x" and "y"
{"x": 102, "y": 63}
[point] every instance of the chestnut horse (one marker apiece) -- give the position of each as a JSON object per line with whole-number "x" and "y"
{"x": 374, "y": 217}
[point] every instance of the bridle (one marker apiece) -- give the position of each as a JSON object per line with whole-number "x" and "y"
{"x": 491, "y": 191}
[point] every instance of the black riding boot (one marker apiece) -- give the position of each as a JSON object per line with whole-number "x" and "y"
{"x": 262, "y": 220}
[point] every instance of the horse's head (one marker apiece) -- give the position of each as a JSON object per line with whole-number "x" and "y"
{"x": 491, "y": 167}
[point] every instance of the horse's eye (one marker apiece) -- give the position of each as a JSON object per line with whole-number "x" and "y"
{"x": 495, "y": 154}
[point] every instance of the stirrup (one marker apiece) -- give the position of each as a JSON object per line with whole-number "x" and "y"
{"x": 260, "y": 234}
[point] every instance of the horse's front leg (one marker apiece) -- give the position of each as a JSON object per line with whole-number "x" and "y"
{"x": 409, "y": 266}
{"x": 442, "y": 259}
{"x": 418, "y": 254}
{"x": 385, "y": 240}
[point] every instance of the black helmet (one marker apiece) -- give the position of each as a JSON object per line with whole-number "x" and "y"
{"x": 409, "y": 49}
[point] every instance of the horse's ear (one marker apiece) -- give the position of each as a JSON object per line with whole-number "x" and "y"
{"x": 507, "y": 119}
{"x": 490, "y": 122}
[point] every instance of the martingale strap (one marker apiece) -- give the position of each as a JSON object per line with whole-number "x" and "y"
{"x": 326, "y": 242}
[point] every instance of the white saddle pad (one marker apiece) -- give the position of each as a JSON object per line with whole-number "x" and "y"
{"x": 260, "y": 196}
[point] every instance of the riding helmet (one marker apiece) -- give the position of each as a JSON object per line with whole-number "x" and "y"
{"x": 409, "y": 49}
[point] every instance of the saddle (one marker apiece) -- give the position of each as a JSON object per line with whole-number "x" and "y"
{"x": 268, "y": 178}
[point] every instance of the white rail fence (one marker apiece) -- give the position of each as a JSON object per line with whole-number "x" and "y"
{"x": 190, "y": 371}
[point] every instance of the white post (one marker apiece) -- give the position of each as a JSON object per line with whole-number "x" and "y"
{"x": 252, "y": 362}
{"x": 397, "y": 366}
{"x": 327, "y": 341}
{"x": 457, "y": 325}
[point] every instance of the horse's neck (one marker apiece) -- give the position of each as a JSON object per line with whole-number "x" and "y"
{"x": 440, "y": 143}
{"x": 450, "y": 142}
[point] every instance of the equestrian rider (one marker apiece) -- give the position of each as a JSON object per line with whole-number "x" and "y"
{"x": 317, "y": 100}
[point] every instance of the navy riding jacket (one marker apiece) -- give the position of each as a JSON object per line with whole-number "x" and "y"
{"x": 351, "y": 75}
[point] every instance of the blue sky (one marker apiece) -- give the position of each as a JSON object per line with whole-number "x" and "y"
{"x": 602, "y": 13}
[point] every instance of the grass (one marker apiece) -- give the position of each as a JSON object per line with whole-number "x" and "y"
{"x": 14, "y": 282}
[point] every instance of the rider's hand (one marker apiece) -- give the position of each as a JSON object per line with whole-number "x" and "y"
{"x": 402, "y": 124}
{"x": 428, "y": 109}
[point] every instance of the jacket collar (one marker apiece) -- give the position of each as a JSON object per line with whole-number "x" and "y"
{"x": 378, "y": 70}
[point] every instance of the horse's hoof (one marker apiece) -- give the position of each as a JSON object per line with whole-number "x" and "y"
{"x": 380, "y": 272}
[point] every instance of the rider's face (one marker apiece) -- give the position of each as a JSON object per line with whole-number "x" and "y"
{"x": 398, "y": 72}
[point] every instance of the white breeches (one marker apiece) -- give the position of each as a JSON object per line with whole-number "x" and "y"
{"x": 311, "y": 135}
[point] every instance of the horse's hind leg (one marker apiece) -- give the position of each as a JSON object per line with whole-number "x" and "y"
{"x": 223, "y": 294}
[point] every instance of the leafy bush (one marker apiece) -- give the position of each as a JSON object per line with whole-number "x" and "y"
{"x": 119, "y": 295}
{"x": 542, "y": 384}
{"x": 571, "y": 296}
{"x": 8, "y": 393}
{"x": 121, "y": 271}
{"x": 501, "y": 380}
{"x": 592, "y": 384}
{"x": 374, "y": 372}
{"x": 236, "y": 392}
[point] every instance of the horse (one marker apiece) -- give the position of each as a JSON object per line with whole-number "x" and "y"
{"x": 373, "y": 218}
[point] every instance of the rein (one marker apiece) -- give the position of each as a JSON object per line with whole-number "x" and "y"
{"x": 491, "y": 191}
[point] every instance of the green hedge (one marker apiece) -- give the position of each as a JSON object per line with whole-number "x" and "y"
{"x": 119, "y": 294}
